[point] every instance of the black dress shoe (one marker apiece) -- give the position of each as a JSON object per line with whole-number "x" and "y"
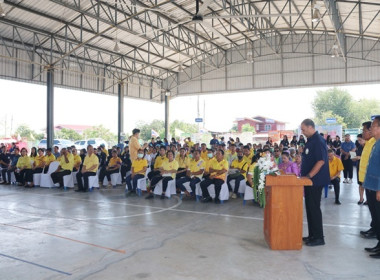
{"x": 206, "y": 199}
{"x": 307, "y": 239}
{"x": 369, "y": 235}
{"x": 79, "y": 190}
{"x": 360, "y": 202}
{"x": 376, "y": 256}
{"x": 338, "y": 202}
{"x": 217, "y": 201}
{"x": 315, "y": 242}
{"x": 375, "y": 249}
{"x": 363, "y": 232}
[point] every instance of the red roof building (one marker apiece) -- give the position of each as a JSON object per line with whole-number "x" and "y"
{"x": 261, "y": 124}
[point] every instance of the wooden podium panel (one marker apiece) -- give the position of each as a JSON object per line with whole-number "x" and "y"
{"x": 283, "y": 213}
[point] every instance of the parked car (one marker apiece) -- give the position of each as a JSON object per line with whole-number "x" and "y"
{"x": 61, "y": 143}
{"x": 96, "y": 142}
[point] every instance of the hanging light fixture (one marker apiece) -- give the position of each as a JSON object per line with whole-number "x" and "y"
{"x": 2, "y": 11}
{"x": 249, "y": 58}
{"x": 335, "y": 52}
{"x": 316, "y": 15}
{"x": 116, "y": 48}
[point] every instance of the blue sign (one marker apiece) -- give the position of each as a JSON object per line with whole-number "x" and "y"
{"x": 331, "y": 120}
{"x": 198, "y": 120}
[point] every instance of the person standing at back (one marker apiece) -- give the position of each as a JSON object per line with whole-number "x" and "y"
{"x": 347, "y": 147}
{"x": 134, "y": 144}
{"x": 315, "y": 166}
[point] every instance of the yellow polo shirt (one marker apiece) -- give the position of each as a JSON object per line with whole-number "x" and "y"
{"x": 216, "y": 165}
{"x": 182, "y": 162}
{"x": 24, "y": 162}
{"x": 365, "y": 158}
{"x": 39, "y": 161}
{"x": 196, "y": 166}
{"x": 138, "y": 166}
{"x": 114, "y": 161}
{"x": 67, "y": 165}
{"x": 190, "y": 144}
{"x": 90, "y": 161}
{"x": 49, "y": 159}
{"x": 204, "y": 155}
{"x": 77, "y": 160}
{"x": 248, "y": 159}
{"x": 335, "y": 166}
{"x": 208, "y": 164}
{"x": 240, "y": 165}
{"x": 251, "y": 168}
{"x": 167, "y": 165}
{"x": 159, "y": 161}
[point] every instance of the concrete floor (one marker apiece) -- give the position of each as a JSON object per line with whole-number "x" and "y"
{"x": 52, "y": 234}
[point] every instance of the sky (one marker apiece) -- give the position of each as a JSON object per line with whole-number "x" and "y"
{"x": 26, "y": 104}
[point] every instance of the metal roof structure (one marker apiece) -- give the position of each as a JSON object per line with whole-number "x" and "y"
{"x": 185, "y": 47}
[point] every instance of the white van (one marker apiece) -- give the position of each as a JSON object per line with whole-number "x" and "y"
{"x": 96, "y": 142}
{"x": 61, "y": 143}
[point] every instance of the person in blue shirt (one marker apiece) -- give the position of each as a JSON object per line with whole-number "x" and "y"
{"x": 372, "y": 185}
{"x": 347, "y": 147}
{"x": 315, "y": 166}
{"x": 214, "y": 141}
{"x": 13, "y": 165}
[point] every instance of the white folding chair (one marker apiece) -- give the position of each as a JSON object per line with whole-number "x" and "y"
{"x": 223, "y": 196}
{"x": 75, "y": 177}
{"x": 242, "y": 186}
{"x": 46, "y": 181}
{"x": 68, "y": 181}
{"x": 248, "y": 194}
{"x": 37, "y": 179}
{"x": 188, "y": 188}
{"x": 170, "y": 190}
{"x": 93, "y": 182}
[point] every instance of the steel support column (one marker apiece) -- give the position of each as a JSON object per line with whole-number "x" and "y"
{"x": 120, "y": 107}
{"x": 167, "y": 99}
{"x": 50, "y": 109}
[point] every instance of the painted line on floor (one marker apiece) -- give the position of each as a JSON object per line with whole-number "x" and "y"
{"x": 36, "y": 264}
{"x": 67, "y": 238}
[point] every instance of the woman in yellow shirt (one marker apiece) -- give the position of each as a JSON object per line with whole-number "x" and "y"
{"x": 168, "y": 171}
{"x": 183, "y": 163}
{"x": 139, "y": 167}
{"x": 77, "y": 160}
{"x": 23, "y": 166}
{"x": 37, "y": 167}
{"x": 33, "y": 153}
{"x": 112, "y": 167}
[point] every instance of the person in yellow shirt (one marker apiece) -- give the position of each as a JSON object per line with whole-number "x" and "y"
{"x": 364, "y": 159}
{"x": 247, "y": 154}
{"x": 335, "y": 167}
{"x": 112, "y": 167}
{"x": 210, "y": 158}
{"x": 49, "y": 158}
{"x": 240, "y": 167}
{"x": 158, "y": 163}
{"x": 23, "y": 166}
{"x": 204, "y": 151}
{"x": 66, "y": 165}
{"x": 104, "y": 150}
{"x": 189, "y": 142}
{"x": 90, "y": 166}
{"x": 194, "y": 173}
{"x": 231, "y": 154}
{"x": 37, "y": 167}
{"x": 138, "y": 169}
{"x": 251, "y": 171}
{"x": 33, "y": 153}
{"x": 168, "y": 171}
{"x": 218, "y": 170}
{"x": 183, "y": 163}
{"x": 77, "y": 160}
{"x": 134, "y": 144}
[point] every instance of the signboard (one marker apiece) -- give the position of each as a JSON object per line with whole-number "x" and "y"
{"x": 269, "y": 121}
{"x": 198, "y": 120}
{"x": 331, "y": 120}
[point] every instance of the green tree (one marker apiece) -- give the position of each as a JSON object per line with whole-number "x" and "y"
{"x": 248, "y": 128}
{"x": 185, "y": 127}
{"x": 69, "y": 134}
{"x": 146, "y": 129}
{"x": 100, "y": 132}
{"x": 337, "y": 102}
{"x": 234, "y": 128}
{"x": 327, "y": 115}
{"x": 26, "y": 132}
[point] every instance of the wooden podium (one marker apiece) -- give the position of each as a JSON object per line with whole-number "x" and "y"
{"x": 283, "y": 213}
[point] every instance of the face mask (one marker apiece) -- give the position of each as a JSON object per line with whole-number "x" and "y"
{"x": 140, "y": 155}
{"x": 99, "y": 153}
{"x": 210, "y": 155}
{"x": 240, "y": 157}
{"x": 190, "y": 156}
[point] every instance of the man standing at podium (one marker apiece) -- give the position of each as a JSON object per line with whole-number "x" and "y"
{"x": 315, "y": 166}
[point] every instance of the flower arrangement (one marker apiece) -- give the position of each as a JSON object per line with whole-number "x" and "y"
{"x": 265, "y": 166}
